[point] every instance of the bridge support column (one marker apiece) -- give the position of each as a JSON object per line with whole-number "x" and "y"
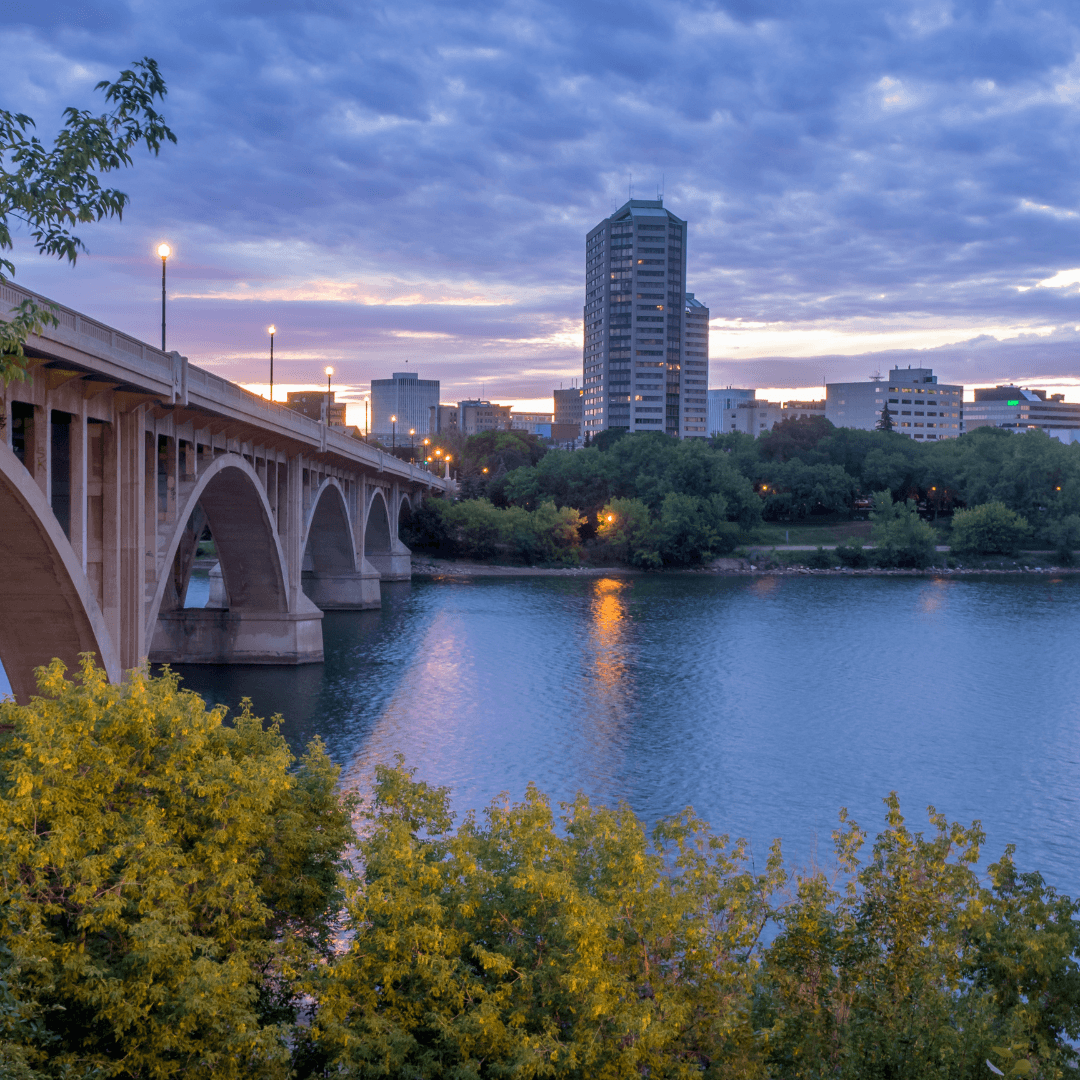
{"x": 355, "y": 590}
{"x": 222, "y": 636}
{"x": 393, "y": 565}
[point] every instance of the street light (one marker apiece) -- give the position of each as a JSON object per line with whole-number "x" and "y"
{"x": 412, "y": 432}
{"x": 272, "y": 330}
{"x": 393, "y": 434}
{"x": 447, "y": 460}
{"x": 329, "y": 372}
{"x": 164, "y": 251}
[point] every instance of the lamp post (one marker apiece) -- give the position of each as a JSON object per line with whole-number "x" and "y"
{"x": 393, "y": 436}
{"x": 329, "y": 372}
{"x": 412, "y": 440}
{"x": 164, "y": 251}
{"x": 272, "y": 331}
{"x": 367, "y": 425}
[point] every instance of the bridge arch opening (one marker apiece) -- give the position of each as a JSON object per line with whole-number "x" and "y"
{"x": 377, "y": 531}
{"x": 228, "y": 503}
{"x": 329, "y": 548}
{"x": 48, "y": 603}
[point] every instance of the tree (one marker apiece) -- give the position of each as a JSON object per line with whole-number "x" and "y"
{"x": 991, "y": 529}
{"x": 533, "y": 946}
{"x": 52, "y": 190}
{"x": 900, "y": 536}
{"x": 167, "y": 881}
{"x": 885, "y": 421}
{"x": 628, "y": 526}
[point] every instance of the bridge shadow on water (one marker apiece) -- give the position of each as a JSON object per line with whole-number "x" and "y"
{"x": 365, "y": 659}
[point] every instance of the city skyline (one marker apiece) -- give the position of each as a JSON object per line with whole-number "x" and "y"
{"x": 885, "y": 186}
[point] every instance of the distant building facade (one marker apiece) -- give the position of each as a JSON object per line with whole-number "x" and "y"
{"x": 755, "y": 417}
{"x": 443, "y": 420}
{"x": 313, "y": 404}
{"x": 921, "y": 408}
{"x": 725, "y": 402}
{"x": 1015, "y": 408}
{"x": 406, "y": 396}
{"x": 533, "y": 423}
{"x": 695, "y": 369}
{"x": 476, "y": 416}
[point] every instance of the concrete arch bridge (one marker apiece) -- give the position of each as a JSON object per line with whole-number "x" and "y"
{"x": 115, "y": 458}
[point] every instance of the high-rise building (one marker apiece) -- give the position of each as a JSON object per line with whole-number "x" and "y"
{"x": 406, "y": 396}
{"x": 695, "y": 369}
{"x": 920, "y": 406}
{"x": 635, "y": 274}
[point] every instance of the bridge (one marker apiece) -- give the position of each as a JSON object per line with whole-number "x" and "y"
{"x": 115, "y": 457}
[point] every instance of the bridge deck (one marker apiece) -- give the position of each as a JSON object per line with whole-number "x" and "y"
{"x": 116, "y": 361}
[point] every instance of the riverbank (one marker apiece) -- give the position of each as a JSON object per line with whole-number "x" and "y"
{"x": 425, "y": 567}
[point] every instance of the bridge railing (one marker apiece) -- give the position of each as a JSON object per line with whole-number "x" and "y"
{"x": 132, "y": 354}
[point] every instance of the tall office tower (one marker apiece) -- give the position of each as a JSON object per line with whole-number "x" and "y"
{"x": 409, "y": 398}
{"x": 695, "y": 369}
{"x": 635, "y": 269}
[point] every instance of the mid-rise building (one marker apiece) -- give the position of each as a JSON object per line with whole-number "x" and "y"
{"x": 443, "y": 420}
{"x": 533, "y": 423}
{"x": 695, "y": 369}
{"x": 635, "y": 273}
{"x": 753, "y": 417}
{"x": 725, "y": 402}
{"x": 316, "y": 404}
{"x": 475, "y": 416}
{"x": 406, "y": 396}
{"x": 1015, "y": 408}
{"x": 920, "y": 407}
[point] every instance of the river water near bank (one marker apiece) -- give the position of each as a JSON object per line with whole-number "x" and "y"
{"x": 765, "y": 702}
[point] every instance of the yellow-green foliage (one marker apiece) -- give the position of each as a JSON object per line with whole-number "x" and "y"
{"x": 532, "y": 946}
{"x": 173, "y": 890}
{"x": 165, "y": 880}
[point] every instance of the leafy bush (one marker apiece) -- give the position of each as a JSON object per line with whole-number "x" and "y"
{"x": 628, "y": 527}
{"x": 901, "y": 537}
{"x": 820, "y": 559}
{"x": 166, "y": 881}
{"x": 853, "y": 554}
{"x": 476, "y": 528}
{"x": 1064, "y": 534}
{"x": 990, "y": 529}
{"x": 173, "y": 893}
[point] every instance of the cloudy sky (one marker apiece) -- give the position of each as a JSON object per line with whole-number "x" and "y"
{"x": 409, "y": 185}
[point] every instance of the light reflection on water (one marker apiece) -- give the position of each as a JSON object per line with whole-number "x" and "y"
{"x": 766, "y": 703}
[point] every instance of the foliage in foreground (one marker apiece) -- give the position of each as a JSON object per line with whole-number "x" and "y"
{"x": 175, "y": 890}
{"x": 166, "y": 881}
{"x": 53, "y": 189}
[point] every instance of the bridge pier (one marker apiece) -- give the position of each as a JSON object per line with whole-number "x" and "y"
{"x": 356, "y": 590}
{"x": 392, "y": 565}
{"x": 223, "y": 636}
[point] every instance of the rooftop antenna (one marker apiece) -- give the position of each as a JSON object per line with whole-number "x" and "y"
{"x": 876, "y": 377}
{"x": 631, "y": 186}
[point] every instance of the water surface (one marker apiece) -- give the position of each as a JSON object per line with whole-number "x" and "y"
{"x": 767, "y": 703}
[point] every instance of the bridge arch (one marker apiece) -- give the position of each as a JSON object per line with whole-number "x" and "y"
{"x": 48, "y": 603}
{"x": 328, "y": 538}
{"x": 377, "y": 536}
{"x": 241, "y": 522}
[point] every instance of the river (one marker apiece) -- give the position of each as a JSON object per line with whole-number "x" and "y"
{"x": 765, "y": 702}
